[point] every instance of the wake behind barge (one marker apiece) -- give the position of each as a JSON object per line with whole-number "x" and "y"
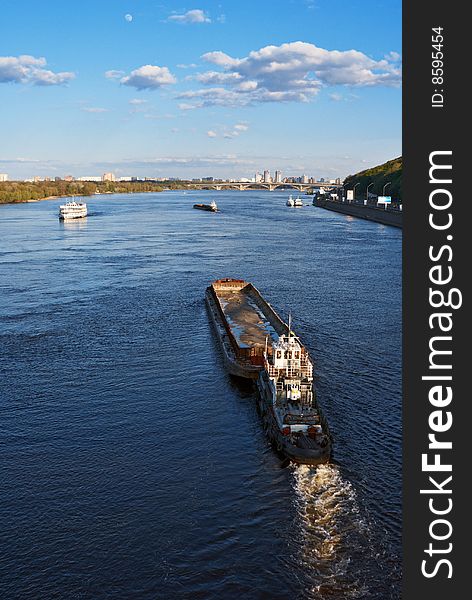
{"x": 258, "y": 345}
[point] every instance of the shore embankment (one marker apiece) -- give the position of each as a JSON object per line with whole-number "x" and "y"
{"x": 370, "y": 213}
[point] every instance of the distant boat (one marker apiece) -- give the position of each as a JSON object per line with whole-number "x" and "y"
{"x": 212, "y": 207}
{"x": 72, "y": 210}
{"x": 297, "y": 202}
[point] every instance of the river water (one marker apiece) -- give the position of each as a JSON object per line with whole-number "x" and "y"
{"x": 132, "y": 465}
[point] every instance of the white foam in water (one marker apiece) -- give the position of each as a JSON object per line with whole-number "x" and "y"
{"x": 329, "y": 513}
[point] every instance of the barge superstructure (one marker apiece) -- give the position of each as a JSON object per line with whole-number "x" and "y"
{"x": 257, "y": 344}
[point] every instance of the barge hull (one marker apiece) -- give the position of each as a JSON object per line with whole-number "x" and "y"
{"x": 235, "y": 367}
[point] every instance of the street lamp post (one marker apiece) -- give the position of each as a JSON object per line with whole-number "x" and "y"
{"x": 367, "y": 192}
{"x": 354, "y": 190}
{"x": 385, "y": 187}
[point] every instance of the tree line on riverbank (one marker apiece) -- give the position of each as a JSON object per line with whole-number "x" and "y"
{"x": 389, "y": 172}
{"x": 22, "y": 191}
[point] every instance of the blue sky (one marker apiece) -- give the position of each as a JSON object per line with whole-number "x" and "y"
{"x": 222, "y": 88}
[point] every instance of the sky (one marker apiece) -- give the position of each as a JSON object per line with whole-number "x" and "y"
{"x": 210, "y": 88}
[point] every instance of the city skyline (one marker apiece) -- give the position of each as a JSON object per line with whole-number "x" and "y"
{"x": 147, "y": 90}
{"x": 267, "y": 176}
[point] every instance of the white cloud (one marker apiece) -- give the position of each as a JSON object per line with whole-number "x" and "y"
{"x": 94, "y": 109}
{"x": 221, "y": 59}
{"x": 114, "y": 74}
{"x": 149, "y": 77}
{"x": 29, "y": 69}
{"x": 217, "y": 96}
{"x": 393, "y": 56}
{"x": 228, "y": 133}
{"x": 156, "y": 117}
{"x": 291, "y": 72}
{"x": 335, "y": 97}
{"x": 137, "y": 101}
{"x": 128, "y": 18}
{"x": 215, "y": 77}
{"x": 191, "y": 16}
{"x": 186, "y": 106}
{"x": 247, "y": 86}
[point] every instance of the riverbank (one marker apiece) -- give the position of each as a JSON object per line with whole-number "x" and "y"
{"x": 74, "y": 196}
{"x": 13, "y": 192}
{"x": 370, "y": 213}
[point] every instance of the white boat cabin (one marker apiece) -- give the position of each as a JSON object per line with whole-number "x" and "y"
{"x": 291, "y": 380}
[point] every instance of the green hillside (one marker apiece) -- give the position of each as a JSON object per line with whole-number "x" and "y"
{"x": 380, "y": 175}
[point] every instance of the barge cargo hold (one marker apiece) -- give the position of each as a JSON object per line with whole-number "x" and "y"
{"x": 258, "y": 345}
{"x": 243, "y": 320}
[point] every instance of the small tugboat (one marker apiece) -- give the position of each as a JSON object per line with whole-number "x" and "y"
{"x": 72, "y": 210}
{"x": 288, "y": 404}
{"x": 256, "y": 344}
{"x": 212, "y": 207}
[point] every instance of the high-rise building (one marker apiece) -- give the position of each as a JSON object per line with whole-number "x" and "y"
{"x": 257, "y": 177}
{"x": 278, "y": 177}
{"x": 108, "y": 177}
{"x": 304, "y": 179}
{"x": 267, "y": 178}
{"x": 3, "y": 177}
{"x": 69, "y": 178}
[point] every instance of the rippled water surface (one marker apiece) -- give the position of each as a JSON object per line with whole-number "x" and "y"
{"x": 132, "y": 465}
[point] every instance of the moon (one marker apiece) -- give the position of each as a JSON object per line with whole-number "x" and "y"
{"x": 128, "y": 18}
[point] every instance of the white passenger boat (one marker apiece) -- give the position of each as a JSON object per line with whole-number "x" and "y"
{"x": 72, "y": 210}
{"x": 294, "y": 202}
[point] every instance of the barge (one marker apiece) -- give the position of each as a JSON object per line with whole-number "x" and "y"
{"x": 257, "y": 344}
{"x": 212, "y": 207}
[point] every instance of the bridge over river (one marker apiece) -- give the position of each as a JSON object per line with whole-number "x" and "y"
{"x": 251, "y": 185}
